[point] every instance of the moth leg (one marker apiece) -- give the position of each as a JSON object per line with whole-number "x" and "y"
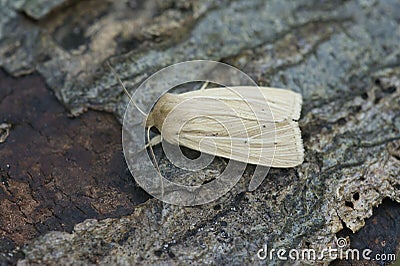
{"x": 205, "y": 84}
{"x": 154, "y": 141}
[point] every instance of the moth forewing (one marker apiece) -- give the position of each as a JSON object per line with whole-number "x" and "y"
{"x": 283, "y": 104}
{"x": 236, "y": 123}
{"x": 281, "y": 149}
{"x": 289, "y": 151}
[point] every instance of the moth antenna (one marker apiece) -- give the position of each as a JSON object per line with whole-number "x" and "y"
{"x": 123, "y": 86}
{"x": 155, "y": 162}
{"x": 205, "y": 84}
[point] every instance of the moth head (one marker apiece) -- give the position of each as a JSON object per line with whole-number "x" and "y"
{"x": 161, "y": 109}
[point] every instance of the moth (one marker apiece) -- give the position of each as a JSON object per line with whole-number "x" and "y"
{"x": 249, "y": 124}
{"x": 232, "y": 129}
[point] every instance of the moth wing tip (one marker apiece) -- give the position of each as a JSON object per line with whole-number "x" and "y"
{"x": 298, "y": 102}
{"x": 299, "y": 145}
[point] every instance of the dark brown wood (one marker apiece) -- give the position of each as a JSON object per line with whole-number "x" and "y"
{"x": 57, "y": 171}
{"x": 381, "y": 234}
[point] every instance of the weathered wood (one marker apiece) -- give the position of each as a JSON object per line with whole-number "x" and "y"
{"x": 342, "y": 56}
{"x": 56, "y": 171}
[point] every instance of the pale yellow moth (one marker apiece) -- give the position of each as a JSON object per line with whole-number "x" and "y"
{"x": 272, "y": 140}
{"x": 278, "y": 135}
